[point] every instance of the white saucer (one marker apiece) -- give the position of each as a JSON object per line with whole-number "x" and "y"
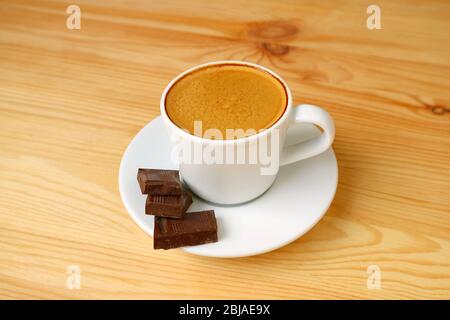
{"x": 297, "y": 200}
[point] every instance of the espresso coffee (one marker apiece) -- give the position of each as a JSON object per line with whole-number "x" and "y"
{"x": 226, "y": 97}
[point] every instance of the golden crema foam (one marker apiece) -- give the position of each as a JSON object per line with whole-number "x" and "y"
{"x": 226, "y": 97}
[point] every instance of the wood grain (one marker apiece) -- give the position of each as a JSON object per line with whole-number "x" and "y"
{"x": 71, "y": 100}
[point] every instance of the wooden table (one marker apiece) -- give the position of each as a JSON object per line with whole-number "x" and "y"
{"x": 71, "y": 101}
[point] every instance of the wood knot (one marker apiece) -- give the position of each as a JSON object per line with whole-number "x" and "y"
{"x": 272, "y": 30}
{"x": 439, "y": 110}
{"x": 275, "y": 49}
{"x": 270, "y": 36}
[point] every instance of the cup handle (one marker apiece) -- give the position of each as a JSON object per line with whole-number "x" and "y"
{"x": 318, "y": 116}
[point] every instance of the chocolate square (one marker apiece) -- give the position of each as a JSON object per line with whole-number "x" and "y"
{"x": 194, "y": 228}
{"x": 159, "y": 182}
{"x": 168, "y": 206}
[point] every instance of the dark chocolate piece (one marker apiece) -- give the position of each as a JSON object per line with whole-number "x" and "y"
{"x": 159, "y": 182}
{"x": 168, "y": 206}
{"x": 194, "y": 229}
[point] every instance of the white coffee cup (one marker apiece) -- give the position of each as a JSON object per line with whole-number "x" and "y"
{"x": 235, "y": 180}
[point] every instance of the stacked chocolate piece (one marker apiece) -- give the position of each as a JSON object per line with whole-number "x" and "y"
{"x": 168, "y": 201}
